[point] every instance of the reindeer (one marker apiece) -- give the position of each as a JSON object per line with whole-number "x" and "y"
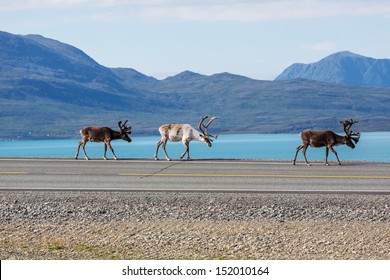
{"x": 103, "y": 134}
{"x": 185, "y": 133}
{"x": 328, "y": 139}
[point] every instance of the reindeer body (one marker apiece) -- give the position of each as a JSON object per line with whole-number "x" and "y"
{"x": 318, "y": 138}
{"x": 184, "y": 133}
{"x": 99, "y": 134}
{"x": 102, "y": 134}
{"x": 327, "y": 139}
{"x": 179, "y": 132}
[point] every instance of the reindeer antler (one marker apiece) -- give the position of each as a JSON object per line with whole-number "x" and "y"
{"x": 124, "y": 127}
{"x": 347, "y": 125}
{"x": 202, "y": 119}
{"x": 206, "y": 127}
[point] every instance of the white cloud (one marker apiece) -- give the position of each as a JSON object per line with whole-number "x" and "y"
{"x": 219, "y": 10}
{"x": 322, "y": 46}
{"x": 9, "y": 5}
{"x": 263, "y": 10}
{"x": 48, "y": 4}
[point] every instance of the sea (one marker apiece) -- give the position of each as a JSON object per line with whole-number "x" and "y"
{"x": 373, "y": 146}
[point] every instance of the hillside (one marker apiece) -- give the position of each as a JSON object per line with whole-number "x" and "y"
{"x": 342, "y": 68}
{"x": 49, "y": 89}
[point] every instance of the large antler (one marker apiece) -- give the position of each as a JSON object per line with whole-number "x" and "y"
{"x": 206, "y": 127}
{"x": 347, "y": 125}
{"x": 124, "y": 127}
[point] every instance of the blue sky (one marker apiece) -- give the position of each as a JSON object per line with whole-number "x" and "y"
{"x": 161, "y": 38}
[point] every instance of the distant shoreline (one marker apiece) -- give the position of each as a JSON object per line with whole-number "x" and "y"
{"x": 372, "y": 147}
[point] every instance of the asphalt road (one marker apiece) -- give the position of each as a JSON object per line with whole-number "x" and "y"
{"x": 194, "y": 176}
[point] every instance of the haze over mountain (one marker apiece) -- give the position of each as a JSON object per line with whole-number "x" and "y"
{"x": 342, "y": 68}
{"x": 49, "y": 89}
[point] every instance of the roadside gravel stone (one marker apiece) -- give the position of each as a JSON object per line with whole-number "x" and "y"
{"x": 141, "y": 225}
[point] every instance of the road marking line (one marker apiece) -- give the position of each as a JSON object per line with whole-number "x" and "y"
{"x": 255, "y": 175}
{"x": 13, "y": 173}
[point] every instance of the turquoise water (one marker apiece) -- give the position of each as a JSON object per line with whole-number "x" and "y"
{"x": 373, "y": 146}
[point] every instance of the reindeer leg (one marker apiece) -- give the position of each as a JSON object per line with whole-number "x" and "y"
{"x": 333, "y": 150}
{"x": 296, "y": 153}
{"x": 187, "y": 151}
{"x": 304, "y": 154}
{"x": 164, "y": 144}
{"x": 112, "y": 150}
{"x": 326, "y": 156}
{"x": 78, "y": 149}
{"x": 105, "y": 151}
{"x": 85, "y": 153}
{"x": 157, "y": 147}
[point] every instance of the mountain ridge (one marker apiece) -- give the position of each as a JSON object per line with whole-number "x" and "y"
{"x": 342, "y": 68}
{"x": 49, "y": 89}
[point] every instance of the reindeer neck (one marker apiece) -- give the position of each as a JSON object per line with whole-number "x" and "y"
{"x": 197, "y": 135}
{"x": 341, "y": 139}
{"x": 115, "y": 134}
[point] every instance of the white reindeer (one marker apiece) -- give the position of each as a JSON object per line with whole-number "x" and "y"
{"x": 185, "y": 133}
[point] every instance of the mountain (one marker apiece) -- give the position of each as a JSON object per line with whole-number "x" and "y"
{"x": 46, "y": 59}
{"x": 49, "y": 89}
{"x": 51, "y": 68}
{"x": 342, "y": 68}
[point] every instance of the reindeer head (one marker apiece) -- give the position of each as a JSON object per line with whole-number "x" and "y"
{"x": 350, "y": 135}
{"x": 124, "y": 131}
{"x": 205, "y": 134}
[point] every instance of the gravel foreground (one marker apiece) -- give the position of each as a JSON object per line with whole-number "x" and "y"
{"x": 136, "y": 225}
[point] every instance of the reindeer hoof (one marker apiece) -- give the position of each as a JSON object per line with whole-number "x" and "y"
{"x": 168, "y": 159}
{"x": 155, "y": 158}
{"x": 86, "y": 158}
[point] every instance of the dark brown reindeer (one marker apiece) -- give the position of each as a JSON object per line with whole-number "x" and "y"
{"x": 328, "y": 139}
{"x": 103, "y": 134}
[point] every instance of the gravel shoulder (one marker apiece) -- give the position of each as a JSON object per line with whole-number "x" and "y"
{"x": 138, "y": 225}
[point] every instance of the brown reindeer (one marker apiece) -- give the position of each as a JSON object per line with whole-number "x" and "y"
{"x": 185, "y": 133}
{"x": 103, "y": 134}
{"x": 328, "y": 139}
